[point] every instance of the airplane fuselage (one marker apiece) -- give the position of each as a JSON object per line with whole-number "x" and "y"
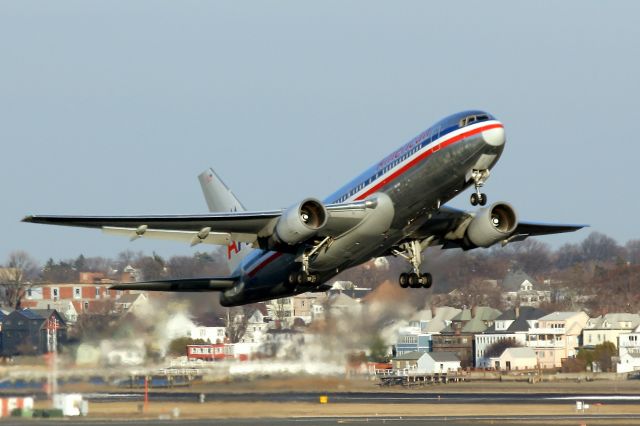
{"x": 408, "y": 185}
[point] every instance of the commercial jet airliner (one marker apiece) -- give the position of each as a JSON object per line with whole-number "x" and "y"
{"x": 395, "y": 207}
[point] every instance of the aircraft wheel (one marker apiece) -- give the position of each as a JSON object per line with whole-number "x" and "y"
{"x": 427, "y": 280}
{"x": 474, "y": 199}
{"x": 483, "y": 199}
{"x": 302, "y": 277}
{"x": 414, "y": 281}
{"x": 403, "y": 280}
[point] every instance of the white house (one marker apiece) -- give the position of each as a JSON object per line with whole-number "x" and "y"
{"x": 629, "y": 352}
{"x": 607, "y": 328}
{"x": 441, "y": 362}
{"x": 515, "y": 359}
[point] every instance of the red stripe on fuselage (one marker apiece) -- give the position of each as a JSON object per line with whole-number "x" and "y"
{"x": 424, "y": 155}
{"x": 275, "y": 255}
{"x": 272, "y": 256}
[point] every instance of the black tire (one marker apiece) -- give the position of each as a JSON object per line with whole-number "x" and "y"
{"x": 474, "y": 199}
{"x": 414, "y": 281}
{"x": 403, "y": 280}
{"x": 483, "y": 199}
{"x": 427, "y": 280}
{"x": 302, "y": 278}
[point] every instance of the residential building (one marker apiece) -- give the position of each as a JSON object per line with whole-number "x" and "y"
{"x": 257, "y": 325}
{"x": 629, "y": 352}
{"x": 66, "y": 308}
{"x": 427, "y": 363}
{"x": 607, "y": 328}
{"x": 412, "y": 339}
{"x": 441, "y": 362}
{"x": 86, "y": 298}
{"x": 513, "y": 325}
{"x": 32, "y": 332}
{"x": 556, "y": 336}
{"x": 209, "y": 329}
{"x": 133, "y": 302}
{"x": 522, "y": 290}
{"x": 212, "y": 352}
{"x": 459, "y": 336}
{"x": 515, "y": 359}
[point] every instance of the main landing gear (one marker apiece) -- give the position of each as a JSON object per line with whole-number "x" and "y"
{"x": 412, "y": 252}
{"x": 479, "y": 177}
{"x": 304, "y": 277}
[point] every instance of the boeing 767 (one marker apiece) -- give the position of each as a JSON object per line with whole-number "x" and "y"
{"x": 396, "y": 207}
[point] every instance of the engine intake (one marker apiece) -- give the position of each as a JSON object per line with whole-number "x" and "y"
{"x": 492, "y": 225}
{"x": 300, "y": 222}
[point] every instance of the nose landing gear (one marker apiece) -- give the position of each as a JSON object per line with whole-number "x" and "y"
{"x": 412, "y": 252}
{"x": 479, "y": 177}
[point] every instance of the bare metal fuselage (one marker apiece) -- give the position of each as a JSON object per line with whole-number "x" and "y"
{"x": 406, "y": 199}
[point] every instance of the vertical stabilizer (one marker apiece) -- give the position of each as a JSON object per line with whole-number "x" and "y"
{"x": 220, "y": 199}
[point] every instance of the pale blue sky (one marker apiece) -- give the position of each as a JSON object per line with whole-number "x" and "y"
{"x": 114, "y": 107}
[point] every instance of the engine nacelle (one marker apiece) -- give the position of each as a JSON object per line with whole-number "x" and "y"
{"x": 492, "y": 224}
{"x": 300, "y": 222}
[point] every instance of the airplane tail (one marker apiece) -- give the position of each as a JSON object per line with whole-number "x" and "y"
{"x": 220, "y": 199}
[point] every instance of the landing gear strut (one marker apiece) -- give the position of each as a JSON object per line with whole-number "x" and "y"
{"x": 412, "y": 252}
{"x": 479, "y": 177}
{"x": 304, "y": 276}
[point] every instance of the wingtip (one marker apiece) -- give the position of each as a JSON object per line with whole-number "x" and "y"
{"x": 28, "y": 218}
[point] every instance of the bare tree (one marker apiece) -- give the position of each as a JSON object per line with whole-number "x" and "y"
{"x": 237, "y": 322}
{"x": 17, "y": 278}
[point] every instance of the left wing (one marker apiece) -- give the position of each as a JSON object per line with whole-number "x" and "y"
{"x": 447, "y": 227}
{"x": 212, "y": 228}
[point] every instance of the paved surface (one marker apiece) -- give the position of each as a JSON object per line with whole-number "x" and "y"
{"x": 373, "y": 397}
{"x": 401, "y": 421}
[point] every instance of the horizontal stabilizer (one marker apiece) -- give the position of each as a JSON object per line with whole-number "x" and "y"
{"x": 181, "y": 285}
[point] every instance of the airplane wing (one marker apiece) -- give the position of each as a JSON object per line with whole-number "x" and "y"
{"x": 446, "y": 228}
{"x": 212, "y": 228}
{"x": 181, "y": 285}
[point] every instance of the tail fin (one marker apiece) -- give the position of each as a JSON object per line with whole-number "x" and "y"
{"x": 220, "y": 199}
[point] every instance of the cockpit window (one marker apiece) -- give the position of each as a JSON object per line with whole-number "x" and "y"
{"x": 470, "y": 119}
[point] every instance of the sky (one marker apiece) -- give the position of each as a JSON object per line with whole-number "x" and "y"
{"x": 114, "y": 107}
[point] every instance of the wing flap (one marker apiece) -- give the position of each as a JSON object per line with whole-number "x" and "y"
{"x": 192, "y": 237}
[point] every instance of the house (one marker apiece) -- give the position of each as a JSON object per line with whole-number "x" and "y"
{"x": 607, "y": 328}
{"x": 66, "y": 308}
{"x": 441, "y": 362}
{"x": 629, "y": 352}
{"x": 32, "y": 332}
{"x": 522, "y": 290}
{"x": 208, "y": 328}
{"x": 257, "y": 325}
{"x": 412, "y": 339}
{"x": 515, "y": 359}
{"x": 513, "y": 325}
{"x": 132, "y": 302}
{"x": 556, "y": 336}
{"x": 303, "y": 305}
{"x": 414, "y": 361}
{"x": 459, "y": 336}
{"x": 85, "y": 298}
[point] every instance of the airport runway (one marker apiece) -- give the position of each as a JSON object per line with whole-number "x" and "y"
{"x": 374, "y": 397}
{"x": 386, "y": 420}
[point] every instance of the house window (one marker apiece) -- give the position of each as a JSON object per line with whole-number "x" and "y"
{"x": 55, "y": 293}
{"x": 77, "y": 293}
{"x": 97, "y": 292}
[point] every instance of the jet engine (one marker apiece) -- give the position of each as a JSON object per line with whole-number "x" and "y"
{"x": 492, "y": 225}
{"x": 300, "y": 222}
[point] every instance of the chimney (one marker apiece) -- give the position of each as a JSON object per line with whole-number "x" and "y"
{"x": 473, "y": 311}
{"x": 517, "y": 309}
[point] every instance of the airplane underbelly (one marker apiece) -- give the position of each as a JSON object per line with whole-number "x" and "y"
{"x": 370, "y": 234}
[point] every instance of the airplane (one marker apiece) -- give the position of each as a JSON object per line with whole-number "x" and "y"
{"x": 395, "y": 207}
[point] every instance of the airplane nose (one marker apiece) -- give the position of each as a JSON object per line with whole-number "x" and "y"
{"x": 495, "y": 136}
